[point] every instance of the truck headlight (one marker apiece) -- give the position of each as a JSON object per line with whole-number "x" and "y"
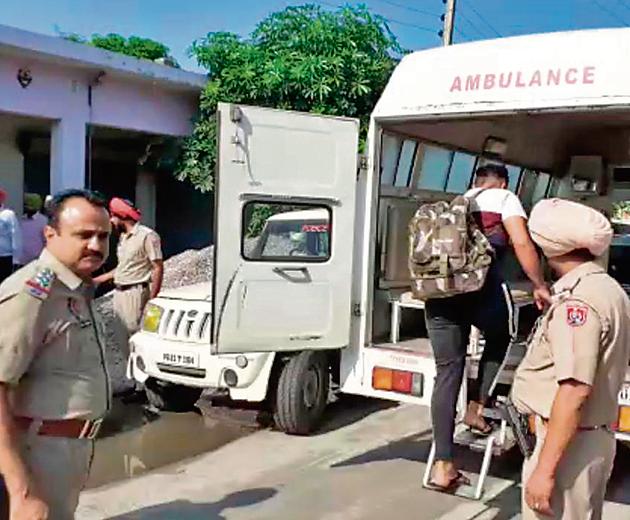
{"x": 152, "y": 316}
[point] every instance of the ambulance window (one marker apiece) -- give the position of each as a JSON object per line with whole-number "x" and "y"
{"x": 460, "y": 173}
{"x": 541, "y": 187}
{"x": 514, "y": 173}
{"x": 405, "y": 162}
{"x": 436, "y": 163}
{"x": 527, "y": 187}
{"x": 389, "y": 158}
{"x": 286, "y": 232}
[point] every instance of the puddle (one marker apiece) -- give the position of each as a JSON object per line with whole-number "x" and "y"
{"x": 131, "y": 443}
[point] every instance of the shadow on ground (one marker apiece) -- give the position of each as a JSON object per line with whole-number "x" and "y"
{"x": 350, "y": 409}
{"x": 186, "y": 510}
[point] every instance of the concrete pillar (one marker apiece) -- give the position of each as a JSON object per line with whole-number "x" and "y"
{"x": 11, "y": 173}
{"x": 146, "y": 196}
{"x": 67, "y": 154}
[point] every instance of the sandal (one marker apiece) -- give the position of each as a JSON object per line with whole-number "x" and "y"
{"x": 477, "y": 428}
{"x": 459, "y": 480}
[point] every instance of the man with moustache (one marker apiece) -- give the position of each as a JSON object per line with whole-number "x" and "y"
{"x": 138, "y": 275}
{"x": 54, "y": 385}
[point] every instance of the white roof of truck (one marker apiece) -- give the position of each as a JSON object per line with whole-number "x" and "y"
{"x": 308, "y": 214}
{"x": 552, "y": 70}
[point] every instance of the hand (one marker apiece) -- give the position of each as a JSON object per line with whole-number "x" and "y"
{"x": 542, "y": 297}
{"x": 538, "y": 492}
{"x": 27, "y": 507}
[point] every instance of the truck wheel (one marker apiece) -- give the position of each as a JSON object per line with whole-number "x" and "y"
{"x": 168, "y": 397}
{"x": 302, "y": 393}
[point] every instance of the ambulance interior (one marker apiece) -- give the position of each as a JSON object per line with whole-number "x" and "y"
{"x": 582, "y": 156}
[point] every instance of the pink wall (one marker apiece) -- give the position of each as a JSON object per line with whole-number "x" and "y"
{"x": 59, "y": 92}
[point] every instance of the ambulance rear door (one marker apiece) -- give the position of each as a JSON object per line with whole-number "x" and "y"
{"x": 284, "y": 230}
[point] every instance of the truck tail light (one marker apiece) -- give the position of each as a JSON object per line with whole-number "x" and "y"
{"x": 623, "y": 422}
{"x": 382, "y": 378}
{"x": 401, "y": 381}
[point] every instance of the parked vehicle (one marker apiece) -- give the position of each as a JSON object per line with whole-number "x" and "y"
{"x": 311, "y": 287}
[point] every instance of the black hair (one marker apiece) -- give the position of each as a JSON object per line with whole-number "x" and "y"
{"x": 58, "y": 202}
{"x": 493, "y": 170}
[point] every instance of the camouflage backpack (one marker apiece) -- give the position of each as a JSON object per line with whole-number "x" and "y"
{"x": 448, "y": 253}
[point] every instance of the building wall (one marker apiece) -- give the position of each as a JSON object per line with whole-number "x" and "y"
{"x": 58, "y": 92}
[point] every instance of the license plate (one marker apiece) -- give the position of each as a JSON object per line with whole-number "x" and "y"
{"x": 181, "y": 359}
{"x": 624, "y": 395}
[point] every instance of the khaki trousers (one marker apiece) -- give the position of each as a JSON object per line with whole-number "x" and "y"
{"x": 128, "y": 308}
{"x": 581, "y": 478}
{"x": 60, "y": 469}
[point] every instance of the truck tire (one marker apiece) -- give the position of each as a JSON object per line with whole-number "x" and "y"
{"x": 302, "y": 393}
{"x": 168, "y": 397}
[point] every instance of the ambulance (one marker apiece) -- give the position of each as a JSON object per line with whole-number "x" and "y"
{"x": 310, "y": 288}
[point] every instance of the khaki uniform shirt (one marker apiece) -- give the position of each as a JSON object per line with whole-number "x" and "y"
{"x": 584, "y": 336}
{"x": 51, "y": 346}
{"x": 136, "y": 250}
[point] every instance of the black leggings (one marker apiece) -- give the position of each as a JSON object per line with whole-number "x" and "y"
{"x": 448, "y": 323}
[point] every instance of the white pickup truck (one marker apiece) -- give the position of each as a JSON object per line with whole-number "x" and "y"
{"x": 321, "y": 298}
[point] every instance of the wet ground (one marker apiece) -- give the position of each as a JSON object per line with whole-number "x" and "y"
{"x": 365, "y": 464}
{"x": 133, "y": 441}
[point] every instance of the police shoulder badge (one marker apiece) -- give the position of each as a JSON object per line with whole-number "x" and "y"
{"x": 576, "y": 315}
{"x": 39, "y": 285}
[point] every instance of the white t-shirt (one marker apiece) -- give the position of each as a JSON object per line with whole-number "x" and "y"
{"x": 491, "y": 208}
{"x": 10, "y": 240}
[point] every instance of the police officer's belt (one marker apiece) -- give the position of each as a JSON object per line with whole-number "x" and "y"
{"x": 70, "y": 428}
{"x": 531, "y": 419}
{"x": 131, "y": 286}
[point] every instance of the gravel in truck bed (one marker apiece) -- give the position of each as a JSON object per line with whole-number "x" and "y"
{"x": 190, "y": 267}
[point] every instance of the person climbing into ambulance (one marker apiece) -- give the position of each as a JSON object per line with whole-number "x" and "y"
{"x": 502, "y": 219}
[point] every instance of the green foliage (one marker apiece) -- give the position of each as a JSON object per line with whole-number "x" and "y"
{"x": 302, "y": 58}
{"x": 143, "y": 48}
{"x": 621, "y": 210}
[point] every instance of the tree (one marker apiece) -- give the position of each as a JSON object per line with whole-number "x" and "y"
{"x": 302, "y": 58}
{"x": 143, "y": 48}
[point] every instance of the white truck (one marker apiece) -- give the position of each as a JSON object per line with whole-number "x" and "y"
{"x": 310, "y": 285}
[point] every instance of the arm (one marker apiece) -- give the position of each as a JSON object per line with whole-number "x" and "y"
{"x": 561, "y": 428}
{"x": 153, "y": 248}
{"x": 20, "y": 335}
{"x": 16, "y": 238}
{"x": 575, "y": 337}
{"x": 527, "y": 256}
{"x": 156, "y": 277}
{"x": 23, "y": 500}
{"x": 104, "y": 278}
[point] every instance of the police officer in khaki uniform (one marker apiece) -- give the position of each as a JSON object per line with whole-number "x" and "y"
{"x": 138, "y": 275}
{"x": 574, "y": 367}
{"x": 54, "y": 386}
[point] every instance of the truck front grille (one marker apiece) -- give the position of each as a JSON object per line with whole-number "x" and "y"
{"x": 189, "y": 325}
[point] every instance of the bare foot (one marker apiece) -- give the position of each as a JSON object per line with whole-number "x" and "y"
{"x": 474, "y": 418}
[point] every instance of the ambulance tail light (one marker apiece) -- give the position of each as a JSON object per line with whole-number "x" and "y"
{"x": 400, "y": 381}
{"x": 623, "y": 420}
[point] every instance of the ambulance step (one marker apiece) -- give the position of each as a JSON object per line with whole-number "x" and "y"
{"x": 475, "y": 491}
{"x": 503, "y": 439}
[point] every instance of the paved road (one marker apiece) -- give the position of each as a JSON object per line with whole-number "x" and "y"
{"x": 366, "y": 464}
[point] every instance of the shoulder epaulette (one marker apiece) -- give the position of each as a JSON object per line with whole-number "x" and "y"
{"x": 39, "y": 284}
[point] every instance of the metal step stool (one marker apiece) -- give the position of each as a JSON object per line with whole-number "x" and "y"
{"x": 497, "y": 443}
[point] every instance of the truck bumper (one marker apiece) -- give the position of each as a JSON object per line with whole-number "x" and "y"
{"x": 245, "y": 376}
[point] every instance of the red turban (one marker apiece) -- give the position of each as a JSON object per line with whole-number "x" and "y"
{"x": 3, "y": 196}
{"x": 124, "y": 209}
